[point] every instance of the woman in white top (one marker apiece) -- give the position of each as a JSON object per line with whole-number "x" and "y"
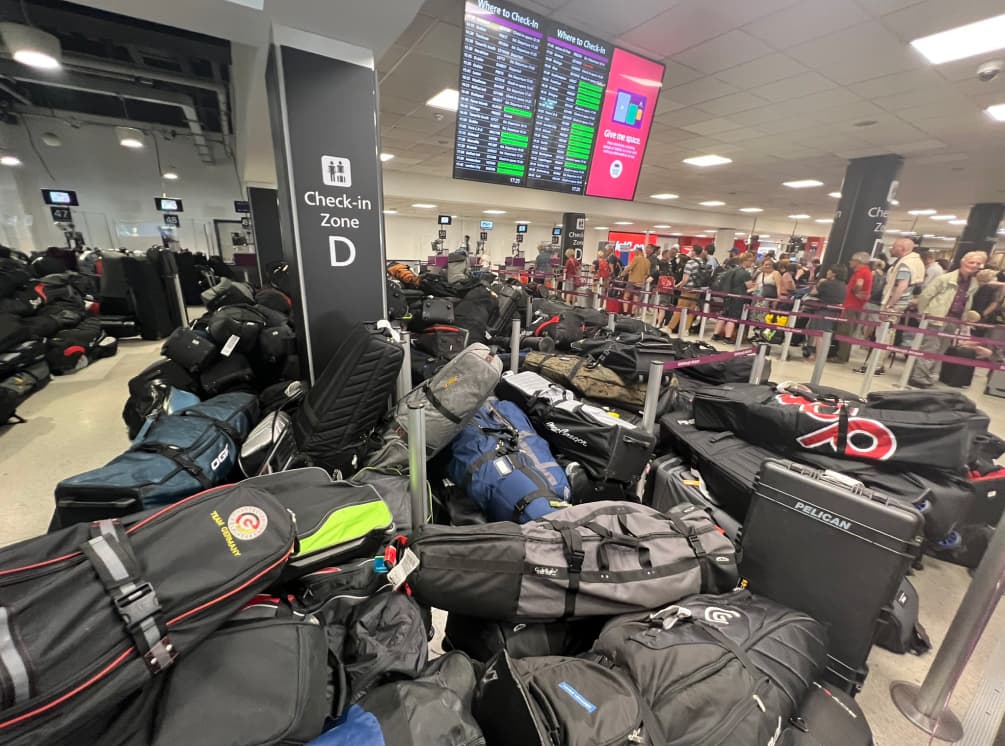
{"x": 768, "y": 280}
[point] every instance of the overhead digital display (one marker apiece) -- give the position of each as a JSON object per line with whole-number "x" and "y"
{"x": 166, "y": 204}
{"x": 545, "y": 106}
{"x": 60, "y": 197}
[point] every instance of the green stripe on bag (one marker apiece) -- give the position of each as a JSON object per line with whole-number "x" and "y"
{"x": 347, "y": 524}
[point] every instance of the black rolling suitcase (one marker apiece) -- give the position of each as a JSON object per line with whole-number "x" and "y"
{"x": 150, "y": 302}
{"x": 958, "y": 376}
{"x": 827, "y": 717}
{"x": 822, "y": 543}
{"x": 348, "y": 400}
{"x": 672, "y": 482}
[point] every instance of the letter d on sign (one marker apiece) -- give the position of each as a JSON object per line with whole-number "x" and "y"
{"x": 333, "y": 245}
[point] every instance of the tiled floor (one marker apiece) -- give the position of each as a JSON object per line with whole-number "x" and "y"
{"x": 75, "y": 425}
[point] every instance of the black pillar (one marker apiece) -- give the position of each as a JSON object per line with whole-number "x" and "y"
{"x": 323, "y": 108}
{"x": 573, "y": 233}
{"x": 981, "y": 231}
{"x": 869, "y": 185}
{"x": 268, "y": 236}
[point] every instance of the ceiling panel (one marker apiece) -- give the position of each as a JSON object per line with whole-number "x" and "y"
{"x": 832, "y": 55}
{"x": 806, "y": 20}
{"x": 761, "y": 71}
{"x": 731, "y": 49}
{"x": 732, "y": 104}
{"x": 794, "y": 87}
{"x": 678, "y": 29}
{"x": 712, "y": 126}
{"x": 441, "y": 42}
{"x": 700, "y": 90}
{"x": 888, "y": 85}
{"x": 609, "y": 20}
{"x": 932, "y": 16}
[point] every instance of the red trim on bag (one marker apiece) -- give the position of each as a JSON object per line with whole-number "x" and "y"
{"x": 122, "y": 657}
{"x": 996, "y": 474}
{"x": 40, "y": 290}
{"x": 549, "y": 322}
{"x": 74, "y": 350}
{"x": 128, "y": 531}
{"x": 73, "y": 692}
{"x": 441, "y": 328}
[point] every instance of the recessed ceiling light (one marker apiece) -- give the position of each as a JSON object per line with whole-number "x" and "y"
{"x": 963, "y": 41}
{"x": 390, "y": 211}
{"x": 129, "y": 137}
{"x": 751, "y": 209}
{"x": 31, "y": 46}
{"x": 958, "y": 222}
{"x": 799, "y": 216}
{"x": 662, "y": 225}
{"x": 712, "y": 203}
{"x": 601, "y": 228}
{"x": 623, "y": 222}
{"x": 664, "y": 195}
{"x": 921, "y": 212}
{"x": 170, "y": 173}
{"x": 423, "y": 205}
{"x": 802, "y": 183}
{"x": 943, "y": 217}
{"x": 824, "y": 220}
{"x": 10, "y": 160}
{"x": 446, "y": 99}
{"x": 996, "y": 112}
{"x": 494, "y": 212}
{"x": 895, "y": 202}
{"x": 835, "y": 195}
{"x": 385, "y": 157}
{"x": 708, "y": 160}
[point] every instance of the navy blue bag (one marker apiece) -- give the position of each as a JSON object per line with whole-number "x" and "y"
{"x": 505, "y": 467}
{"x": 181, "y": 454}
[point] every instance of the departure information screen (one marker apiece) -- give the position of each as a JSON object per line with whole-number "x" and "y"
{"x": 540, "y": 102}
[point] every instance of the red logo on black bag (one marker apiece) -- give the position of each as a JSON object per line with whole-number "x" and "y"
{"x": 864, "y": 438}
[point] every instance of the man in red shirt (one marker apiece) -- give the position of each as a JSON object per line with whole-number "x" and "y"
{"x": 855, "y": 298}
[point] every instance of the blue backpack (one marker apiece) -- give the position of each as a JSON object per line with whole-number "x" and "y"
{"x": 505, "y": 467}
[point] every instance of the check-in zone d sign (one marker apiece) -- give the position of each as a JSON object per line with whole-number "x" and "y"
{"x": 331, "y": 121}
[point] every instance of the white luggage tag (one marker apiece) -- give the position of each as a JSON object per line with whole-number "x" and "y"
{"x": 228, "y": 348}
{"x": 406, "y": 566}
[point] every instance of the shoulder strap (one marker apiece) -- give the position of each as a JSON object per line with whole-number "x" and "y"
{"x": 179, "y": 457}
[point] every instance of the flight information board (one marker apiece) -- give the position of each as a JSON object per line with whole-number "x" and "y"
{"x": 538, "y": 104}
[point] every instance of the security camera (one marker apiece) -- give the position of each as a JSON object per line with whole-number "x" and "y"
{"x": 989, "y": 70}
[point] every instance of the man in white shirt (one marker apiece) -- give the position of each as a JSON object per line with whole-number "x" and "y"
{"x": 932, "y": 268}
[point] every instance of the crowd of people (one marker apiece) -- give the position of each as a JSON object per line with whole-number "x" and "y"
{"x": 850, "y": 299}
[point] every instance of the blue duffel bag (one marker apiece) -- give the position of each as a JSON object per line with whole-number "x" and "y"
{"x": 181, "y": 454}
{"x": 505, "y": 467}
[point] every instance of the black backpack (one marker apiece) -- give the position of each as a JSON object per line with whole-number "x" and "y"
{"x": 703, "y": 277}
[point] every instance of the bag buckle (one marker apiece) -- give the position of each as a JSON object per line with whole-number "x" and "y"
{"x": 576, "y": 561}
{"x": 138, "y": 604}
{"x": 668, "y": 617}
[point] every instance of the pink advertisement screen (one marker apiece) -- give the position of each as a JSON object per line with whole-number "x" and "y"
{"x": 633, "y": 88}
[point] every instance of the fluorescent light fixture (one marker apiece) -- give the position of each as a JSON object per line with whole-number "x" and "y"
{"x": 739, "y": 234}
{"x": 802, "y": 183}
{"x": 385, "y": 157}
{"x": 601, "y": 228}
{"x": 423, "y": 205}
{"x": 712, "y": 203}
{"x": 390, "y": 211}
{"x": 129, "y": 137}
{"x": 996, "y": 112}
{"x": 623, "y": 222}
{"x": 958, "y": 222}
{"x": 446, "y": 99}
{"x": 825, "y": 221}
{"x": 922, "y": 212}
{"x": 10, "y": 160}
{"x": 662, "y": 225}
{"x": 704, "y": 161}
{"x": 963, "y": 41}
{"x": 943, "y": 217}
{"x": 907, "y": 233}
{"x": 494, "y": 212}
{"x": 895, "y": 202}
{"x": 799, "y": 216}
{"x": 890, "y": 230}
{"x": 31, "y": 46}
{"x": 751, "y": 209}
{"x": 522, "y": 222}
{"x": 664, "y": 195}
{"x": 170, "y": 173}
{"x": 765, "y": 235}
{"x": 929, "y": 235}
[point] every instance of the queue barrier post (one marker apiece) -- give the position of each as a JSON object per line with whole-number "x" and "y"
{"x": 417, "y": 461}
{"x": 741, "y": 327}
{"x": 405, "y": 374}
{"x": 927, "y": 706}
{"x": 649, "y": 411}
{"x": 598, "y": 298}
{"x": 909, "y": 363}
{"x": 611, "y": 320}
{"x": 823, "y": 347}
{"x": 530, "y": 312}
{"x": 791, "y": 324}
{"x": 870, "y": 367}
{"x": 643, "y": 306}
{"x": 757, "y": 370}
{"x": 682, "y": 326}
{"x": 705, "y": 309}
{"x": 514, "y": 342}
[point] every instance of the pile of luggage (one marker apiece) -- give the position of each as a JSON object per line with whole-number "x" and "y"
{"x": 244, "y": 343}
{"x": 45, "y": 329}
